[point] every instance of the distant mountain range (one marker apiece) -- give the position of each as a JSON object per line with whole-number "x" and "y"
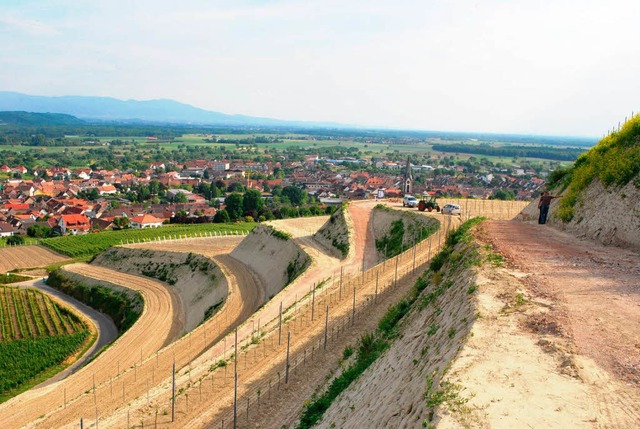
{"x": 152, "y": 111}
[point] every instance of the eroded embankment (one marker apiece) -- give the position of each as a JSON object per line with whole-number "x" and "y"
{"x": 199, "y": 282}
{"x": 273, "y": 256}
{"x": 473, "y": 349}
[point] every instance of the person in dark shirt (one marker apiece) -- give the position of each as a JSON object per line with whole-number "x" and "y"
{"x": 543, "y": 205}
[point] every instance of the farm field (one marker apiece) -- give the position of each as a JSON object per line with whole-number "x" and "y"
{"x": 92, "y": 244}
{"x": 19, "y": 257}
{"x": 37, "y": 338}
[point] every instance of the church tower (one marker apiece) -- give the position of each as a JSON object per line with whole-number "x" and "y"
{"x": 408, "y": 179}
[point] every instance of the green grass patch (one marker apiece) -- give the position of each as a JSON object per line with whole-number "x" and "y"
{"x": 370, "y": 347}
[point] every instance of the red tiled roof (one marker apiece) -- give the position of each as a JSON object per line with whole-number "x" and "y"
{"x": 147, "y": 218}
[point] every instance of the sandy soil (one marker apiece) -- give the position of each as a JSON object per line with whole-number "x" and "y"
{"x": 270, "y": 258}
{"x": 27, "y": 257}
{"x": 197, "y": 289}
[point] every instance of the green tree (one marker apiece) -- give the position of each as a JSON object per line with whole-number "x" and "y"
{"x": 121, "y": 222}
{"x": 504, "y": 195}
{"x": 15, "y": 240}
{"x": 234, "y": 205}
{"x": 252, "y": 201}
{"x": 221, "y": 216}
{"x": 296, "y": 195}
{"x": 236, "y": 187}
{"x": 38, "y": 231}
{"x": 180, "y": 198}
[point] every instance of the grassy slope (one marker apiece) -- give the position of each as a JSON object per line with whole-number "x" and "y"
{"x": 615, "y": 161}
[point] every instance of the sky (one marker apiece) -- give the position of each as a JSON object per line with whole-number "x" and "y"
{"x": 562, "y": 67}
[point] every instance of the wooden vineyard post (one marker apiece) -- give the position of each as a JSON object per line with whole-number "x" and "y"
{"x": 375, "y": 297}
{"x": 173, "y": 392}
{"x": 280, "y": 325}
{"x": 235, "y": 377}
{"x": 326, "y": 327}
{"x": 395, "y": 280}
{"x": 353, "y": 310}
{"x": 313, "y": 301}
{"x": 286, "y": 368}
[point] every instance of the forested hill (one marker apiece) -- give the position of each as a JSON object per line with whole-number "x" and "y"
{"x": 38, "y": 119}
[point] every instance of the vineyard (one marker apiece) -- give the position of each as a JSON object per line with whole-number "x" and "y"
{"x": 37, "y": 336}
{"x": 93, "y": 244}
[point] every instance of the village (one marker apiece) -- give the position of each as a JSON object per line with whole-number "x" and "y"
{"x": 58, "y": 200}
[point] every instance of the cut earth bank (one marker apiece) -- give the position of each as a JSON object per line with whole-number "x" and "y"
{"x": 198, "y": 281}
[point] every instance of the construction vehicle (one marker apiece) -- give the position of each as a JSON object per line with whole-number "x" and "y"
{"x": 428, "y": 203}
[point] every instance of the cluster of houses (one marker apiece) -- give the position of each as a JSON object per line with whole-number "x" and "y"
{"x": 52, "y": 197}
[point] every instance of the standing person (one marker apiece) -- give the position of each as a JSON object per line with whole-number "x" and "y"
{"x": 543, "y": 205}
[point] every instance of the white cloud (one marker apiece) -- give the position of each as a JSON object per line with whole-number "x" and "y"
{"x": 27, "y": 26}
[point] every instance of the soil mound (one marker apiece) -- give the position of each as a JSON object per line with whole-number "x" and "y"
{"x": 198, "y": 281}
{"x": 273, "y": 256}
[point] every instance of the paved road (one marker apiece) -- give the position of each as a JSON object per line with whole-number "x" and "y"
{"x": 106, "y": 329}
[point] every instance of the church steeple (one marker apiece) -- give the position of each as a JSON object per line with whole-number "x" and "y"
{"x": 408, "y": 179}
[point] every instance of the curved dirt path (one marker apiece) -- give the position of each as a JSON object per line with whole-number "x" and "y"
{"x": 595, "y": 304}
{"x": 103, "y": 326}
{"x": 157, "y": 317}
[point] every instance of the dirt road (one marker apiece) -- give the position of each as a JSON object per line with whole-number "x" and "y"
{"x": 595, "y": 304}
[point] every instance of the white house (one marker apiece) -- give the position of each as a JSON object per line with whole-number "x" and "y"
{"x": 6, "y": 230}
{"x": 145, "y": 221}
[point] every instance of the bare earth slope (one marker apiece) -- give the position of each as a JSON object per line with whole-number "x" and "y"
{"x": 272, "y": 258}
{"x": 196, "y": 279}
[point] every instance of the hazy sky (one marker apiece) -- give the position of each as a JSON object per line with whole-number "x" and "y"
{"x": 525, "y": 66}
